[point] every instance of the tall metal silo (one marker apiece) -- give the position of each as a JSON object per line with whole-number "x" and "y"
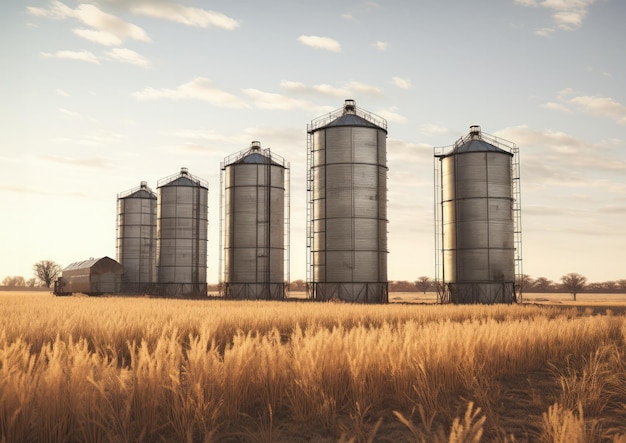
{"x": 182, "y": 224}
{"x": 136, "y": 238}
{"x": 477, "y": 220}
{"x": 254, "y": 225}
{"x": 347, "y": 206}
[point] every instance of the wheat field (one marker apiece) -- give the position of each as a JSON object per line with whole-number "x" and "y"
{"x": 115, "y": 369}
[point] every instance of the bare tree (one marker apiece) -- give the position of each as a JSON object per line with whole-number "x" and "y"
{"x": 573, "y": 283}
{"x": 47, "y": 271}
{"x": 14, "y": 280}
{"x": 621, "y": 284}
{"x": 423, "y": 284}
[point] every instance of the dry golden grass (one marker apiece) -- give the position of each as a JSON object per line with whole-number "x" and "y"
{"x": 139, "y": 369}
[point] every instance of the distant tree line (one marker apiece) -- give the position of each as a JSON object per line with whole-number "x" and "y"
{"x": 542, "y": 284}
{"x": 567, "y": 283}
{"x": 45, "y": 273}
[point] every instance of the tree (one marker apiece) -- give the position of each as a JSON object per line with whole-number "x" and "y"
{"x": 14, "y": 280}
{"x": 524, "y": 282}
{"x": 423, "y": 284}
{"x": 621, "y": 284}
{"x": 297, "y": 285}
{"x": 573, "y": 283}
{"x": 609, "y": 285}
{"x": 542, "y": 284}
{"x": 47, "y": 271}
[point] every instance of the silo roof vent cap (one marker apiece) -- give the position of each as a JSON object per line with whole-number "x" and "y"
{"x": 184, "y": 171}
{"x": 143, "y": 185}
{"x": 255, "y": 146}
{"x": 475, "y": 131}
{"x": 349, "y": 107}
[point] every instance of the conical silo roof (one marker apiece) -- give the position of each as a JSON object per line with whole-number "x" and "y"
{"x": 143, "y": 191}
{"x": 254, "y": 155}
{"x": 476, "y": 141}
{"x": 183, "y": 178}
{"x": 349, "y": 115}
{"x": 478, "y": 146}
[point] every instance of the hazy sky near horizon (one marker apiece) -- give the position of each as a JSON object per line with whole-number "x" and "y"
{"x": 100, "y": 95}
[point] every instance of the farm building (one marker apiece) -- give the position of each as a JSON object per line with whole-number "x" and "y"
{"x": 94, "y": 276}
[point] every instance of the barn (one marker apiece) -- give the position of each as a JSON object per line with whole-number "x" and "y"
{"x": 93, "y": 277}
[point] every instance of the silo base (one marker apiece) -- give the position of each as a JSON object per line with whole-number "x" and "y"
{"x": 178, "y": 290}
{"x": 254, "y": 291}
{"x": 367, "y": 292}
{"x": 478, "y": 293}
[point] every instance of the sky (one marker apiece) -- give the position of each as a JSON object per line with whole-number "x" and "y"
{"x": 100, "y": 95}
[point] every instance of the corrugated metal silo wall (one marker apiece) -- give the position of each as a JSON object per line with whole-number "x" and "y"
{"x": 136, "y": 242}
{"x": 182, "y": 240}
{"x": 350, "y": 214}
{"x": 478, "y": 243}
{"x": 254, "y": 224}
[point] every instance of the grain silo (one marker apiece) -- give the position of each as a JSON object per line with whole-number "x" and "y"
{"x": 136, "y": 238}
{"x": 182, "y": 224}
{"x": 477, "y": 219}
{"x": 254, "y": 225}
{"x": 347, "y": 206}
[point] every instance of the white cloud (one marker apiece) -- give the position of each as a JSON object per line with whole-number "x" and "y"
{"x": 381, "y": 46}
{"x": 84, "y": 56}
{"x": 433, "y": 129}
{"x": 402, "y": 83}
{"x": 391, "y": 115}
{"x": 347, "y": 16}
{"x": 566, "y": 14}
{"x": 348, "y": 89}
{"x": 324, "y": 89}
{"x": 570, "y": 19}
{"x": 199, "y": 88}
{"x": 268, "y": 100}
{"x": 68, "y": 112}
{"x": 206, "y": 134}
{"x": 556, "y": 141}
{"x": 90, "y": 162}
{"x": 97, "y": 19}
{"x": 125, "y": 55}
{"x": 363, "y": 88}
{"x": 407, "y": 153}
{"x": 100, "y": 37}
{"x": 61, "y": 92}
{"x": 197, "y": 17}
{"x": 602, "y": 106}
{"x": 325, "y": 43}
{"x": 556, "y": 107}
{"x": 544, "y": 32}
